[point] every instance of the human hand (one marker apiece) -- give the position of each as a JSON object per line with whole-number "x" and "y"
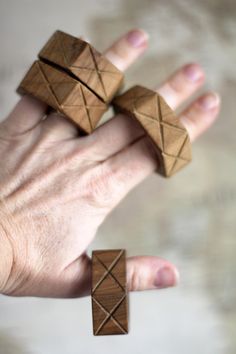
{"x": 57, "y": 188}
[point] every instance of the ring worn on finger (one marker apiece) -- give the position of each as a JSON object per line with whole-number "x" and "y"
{"x": 109, "y": 292}
{"x": 74, "y": 79}
{"x": 169, "y": 136}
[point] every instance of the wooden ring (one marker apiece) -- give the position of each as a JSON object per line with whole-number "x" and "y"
{"x": 63, "y": 93}
{"x": 84, "y": 62}
{"x": 74, "y": 79}
{"x": 109, "y": 292}
{"x": 169, "y": 136}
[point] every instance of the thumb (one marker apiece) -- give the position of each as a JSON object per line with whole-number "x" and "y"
{"x": 143, "y": 273}
{"x": 148, "y": 272}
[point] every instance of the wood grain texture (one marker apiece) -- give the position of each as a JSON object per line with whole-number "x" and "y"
{"x": 84, "y": 62}
{"x": 163, "y": 127}
{"x": 64, "y": 94}
{"x": 109, "y": 294}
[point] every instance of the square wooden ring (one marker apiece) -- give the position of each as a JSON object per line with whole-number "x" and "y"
{"x": 84, "y": 62}
{"x": 63, "y": 93}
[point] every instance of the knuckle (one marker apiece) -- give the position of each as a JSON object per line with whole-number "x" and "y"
{"x": 58, "y": 126}
{"x": 104, "y": 187}
{"x": 190, "y": 124}
{"x": 176, "y": 85}
{"x": 73, "y": 157}
{"x": 99, "y": 189}
{"x": 133, "y": 279}
{"x": 117, "y": 51}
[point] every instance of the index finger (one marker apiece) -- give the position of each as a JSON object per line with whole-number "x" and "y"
{"x": 127, "y": 48}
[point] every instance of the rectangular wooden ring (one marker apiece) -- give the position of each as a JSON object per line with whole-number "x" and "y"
{"x": 109, "y": 292}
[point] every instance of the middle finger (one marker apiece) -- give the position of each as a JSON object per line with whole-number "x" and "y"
{"x": 122, "y": 130}
{"x": 122, "y": 53}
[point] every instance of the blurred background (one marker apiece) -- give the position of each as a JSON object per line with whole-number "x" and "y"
{"x": 190, "y": 219}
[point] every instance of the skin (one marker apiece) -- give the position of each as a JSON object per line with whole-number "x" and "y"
{"x": 56, "y": 188}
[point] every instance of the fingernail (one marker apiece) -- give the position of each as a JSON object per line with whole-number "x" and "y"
{"x": 166, "y": 277}
{"x": 137, "y": 38}
{"x": 193, "y": 72}
{"x": 209, "y": 101}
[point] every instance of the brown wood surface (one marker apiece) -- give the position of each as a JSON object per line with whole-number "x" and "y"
{"x": 159, "y": 122}
{"x": 63, "y": 93}
{"x": 109, "y": 294}
{"x": 84, "y": 62}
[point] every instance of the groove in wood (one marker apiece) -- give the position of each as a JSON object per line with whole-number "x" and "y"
{"x": 170, "y": 138}
{"x": 109, "y": 294}
{"x": 82, "y": 60}
{"x": 64, "y": 94}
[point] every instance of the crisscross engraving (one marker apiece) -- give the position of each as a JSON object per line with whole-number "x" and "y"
{"x": 48, "y": 84}
{"x": 159, "y": 120}
{"x": 97, "y": 71}
{"x": 86, "y": 108}
{"x": 81, "y": 60}
{"x": 108, "y": 271}
{"x": 137, "y": 97}
{"x": 109, "y": 315}
{"x": 53, "y": 94}
{"x": 109, "y": 292}
{"x": 60, "y": 43}
{"x": 63, "y": 93}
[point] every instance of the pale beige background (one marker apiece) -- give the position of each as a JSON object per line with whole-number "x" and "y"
{"x": 190, "y": 219}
